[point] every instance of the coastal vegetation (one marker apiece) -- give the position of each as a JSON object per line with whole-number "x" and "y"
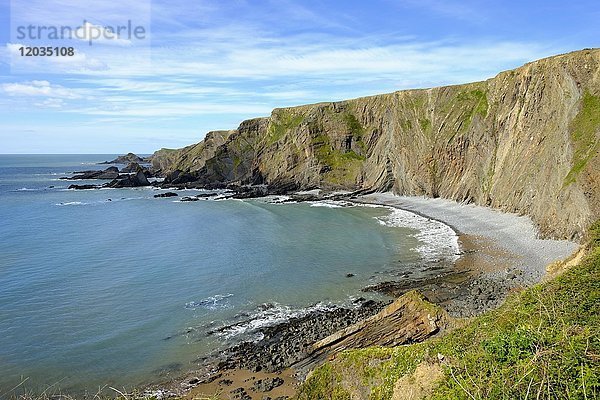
{"x": 583, "y": 135}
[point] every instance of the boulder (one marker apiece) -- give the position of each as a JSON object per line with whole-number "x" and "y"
{"x": 178, "y": 177}
{"x": 167, "y": 194}
{"x": 132, "y": 167}
{"x": 134, "y": 180}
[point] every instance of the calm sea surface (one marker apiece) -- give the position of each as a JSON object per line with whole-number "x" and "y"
{"x": 122, "y": 292}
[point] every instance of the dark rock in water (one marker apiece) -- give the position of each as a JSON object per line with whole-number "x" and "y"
{"x": 178, "y": 177}
{"x": 266, "y": 385}
{"x": 206, "y": 195}
{"x": 188, "y": 198}
{"x": 108, "y": 173}
{"x": 283, "y": 187}
{"x": 139, "y": 179}
{"x": 96, "y": 171}
{"x": 266, "y": 306}
{"x": 84, "y": 187}
{"x": 168, "y": 194}
{"x": 349, "y": 275}
{"x": 305, "y": 197}
{"x": 132, "y": 167}
{"x": 126, "y": 159}
{"x": 249, "y": 192}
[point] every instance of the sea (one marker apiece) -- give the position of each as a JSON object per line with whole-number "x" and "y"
{"x": 116, "y": 288}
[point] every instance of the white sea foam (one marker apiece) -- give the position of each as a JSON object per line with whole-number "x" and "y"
{"x": 273, "y": 199}
{"x": 326, "y": 203}
{"x": 24, "y": 189}
{"x": 71, "y": 203}
{"x": 333, "y": 204}
{"x": 274, "y": 315}
{"x": 98, "y": 202}
{"x": 210, "y": 303}
{"x": 439, "y": 241}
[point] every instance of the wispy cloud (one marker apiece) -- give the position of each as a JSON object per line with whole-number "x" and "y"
{"x": 462, "y": 10}
{"x": 38, "y": 89}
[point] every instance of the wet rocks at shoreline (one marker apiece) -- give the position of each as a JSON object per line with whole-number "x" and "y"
{"x": 286, "y": 343}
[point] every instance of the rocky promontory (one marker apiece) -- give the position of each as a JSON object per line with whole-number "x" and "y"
{"x": 133, "y": 175}
{"x": 126, "y": 159}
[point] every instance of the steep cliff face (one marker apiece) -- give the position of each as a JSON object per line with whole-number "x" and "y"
{"x": 191, "y": 157}
{"x": 525, "y": 141}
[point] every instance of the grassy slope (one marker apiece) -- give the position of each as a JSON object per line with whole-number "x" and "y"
{"x": 542, "y": 343}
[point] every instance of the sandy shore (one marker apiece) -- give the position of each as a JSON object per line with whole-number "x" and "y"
{"x": 510, "y": 233}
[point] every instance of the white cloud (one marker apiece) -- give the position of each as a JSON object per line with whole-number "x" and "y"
{"x": 39, "y": 88}
{"x": 175, "y": 109}
{"x": 50, "y": 103}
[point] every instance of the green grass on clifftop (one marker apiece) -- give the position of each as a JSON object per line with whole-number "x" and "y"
{"x": 543, "y": 343}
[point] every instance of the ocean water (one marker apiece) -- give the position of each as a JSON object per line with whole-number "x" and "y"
{"x": 114, "y": 287}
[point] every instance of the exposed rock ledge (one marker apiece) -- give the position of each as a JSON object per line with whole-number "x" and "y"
{"x": 409, "y": 319}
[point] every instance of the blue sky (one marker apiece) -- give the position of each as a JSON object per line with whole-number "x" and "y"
{"x": 206, "y": 65}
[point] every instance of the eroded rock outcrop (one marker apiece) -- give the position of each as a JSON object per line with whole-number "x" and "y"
{"x": 130, "y": 180}
{"x": 109, "y": 173}
{"x": 190, "y": 158}
{"x": 126, "y": 159}
{"x": 409, "y": 319}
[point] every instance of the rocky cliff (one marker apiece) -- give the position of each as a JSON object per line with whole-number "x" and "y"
{"x": 525, "y": 141}
{"x": 192, "y": 157}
